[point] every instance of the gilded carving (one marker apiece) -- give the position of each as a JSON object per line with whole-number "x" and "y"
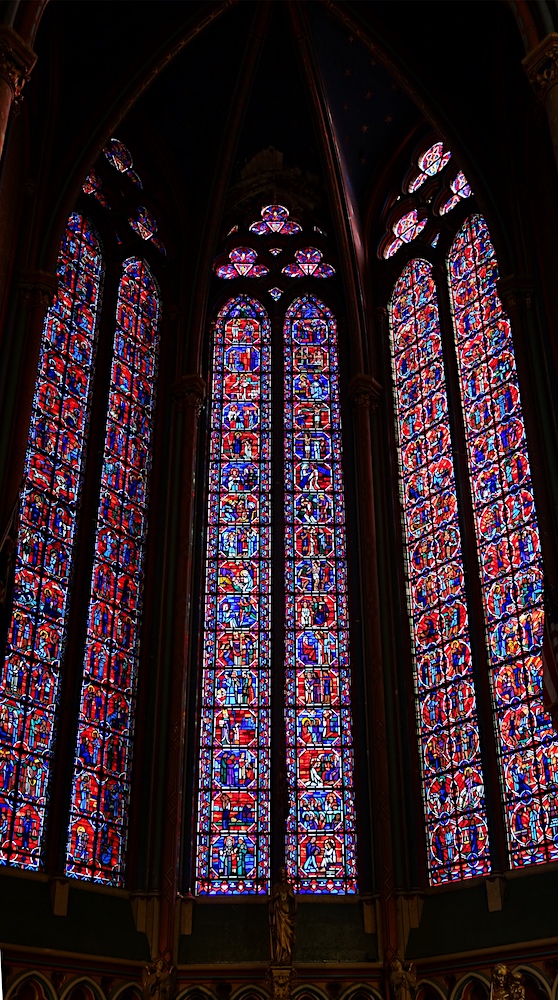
{"x": 402, "y": 979}
{"x": 159, "y": 980}
{"x": 541, "y": 66}
{"x": 189, "y": 391}
{"x": 282, "y": 914}
{"x": 365, "y": 391}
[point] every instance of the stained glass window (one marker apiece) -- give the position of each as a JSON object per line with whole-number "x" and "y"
{"x": 233, "y": 797}
{"x": 430, "y": 164}
{"x": 452, "y": 777}
{"x": 508, "y": 546}
{"x": 120, "y": 158}
{"x": 101, "y": 784}
{"x": 461, "y": 189}
{"x": 242, "y": 265}
{"x": 48, "y": 518}
{"x": 320, "y": 847}
{"x": 406, "y": 229}
{"x": 92, "y": 185}
{"x": 309, "y": 261}
{"x": 275, "y": 219}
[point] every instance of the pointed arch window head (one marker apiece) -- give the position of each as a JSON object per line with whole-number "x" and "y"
{"x": 49, "y": 506}
{"x": 275, "y": 219}
{"x": 242, "y": 265}
{"x": 309, "y": 261}
{"x": 101, "y": 786}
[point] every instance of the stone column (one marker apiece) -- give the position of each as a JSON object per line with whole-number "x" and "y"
{"x": 189, "y": 395}
{"x": 365, "y": 394}
{"x": 36, "y": 291}
{"x": 541, "y": 66}
{"x": 17, "y": 60}
{"x": 539, "y": 414}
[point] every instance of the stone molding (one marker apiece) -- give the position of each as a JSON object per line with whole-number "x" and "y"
{"x": 189, "y": 391}
{"x": 365, "y": 391}
{"x": 17, "y": 60}
{"x": 541, "y": 66}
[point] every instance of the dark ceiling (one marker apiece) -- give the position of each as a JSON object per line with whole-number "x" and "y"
{"x": 202, "y": 87}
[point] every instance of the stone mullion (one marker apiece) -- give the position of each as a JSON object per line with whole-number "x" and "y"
{"x": 189, "y": 395}
{"x": 365, "y": 393}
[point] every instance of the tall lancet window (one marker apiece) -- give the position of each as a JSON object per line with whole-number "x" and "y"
{"x": 491, "y": 497}
{"x": 321, "y": 848}
{"x": 233, "y": 803}
{"x": 305, "y": 615}
{"x": 447, "y": 722}
{"x": 508, "y": 546}
{"x": 101, "y": 785}
{"x": 48, "y": 514}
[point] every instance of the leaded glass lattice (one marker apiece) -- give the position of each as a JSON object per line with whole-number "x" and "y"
{"x": 321, "y": 840}
{"x": 101, "y": 784}
{"x": 452, "y": 777}
{"x": 233, "y": 796}
{"x": 508, "y": 546}
{"x": 48, "y": 521}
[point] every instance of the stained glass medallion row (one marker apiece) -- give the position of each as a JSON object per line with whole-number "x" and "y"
{"x": 233, "y": 796}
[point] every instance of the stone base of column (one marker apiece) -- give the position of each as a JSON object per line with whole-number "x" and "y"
{"x": 281, "y": 981}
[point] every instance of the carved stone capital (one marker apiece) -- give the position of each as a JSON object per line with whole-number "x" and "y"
{"x": 515, "y": 291}
{"x": 189, "y": 391}
{"x": 37, "y": 289}
{"x": 16, "y": 60}
{"x": 541, "y": 66}
{"x": 364, "y": 391}
{"x": 281, "y": 981}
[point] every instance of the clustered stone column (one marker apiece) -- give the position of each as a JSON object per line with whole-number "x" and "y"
{"x": 17, "y": 60}
{"x": 189, "y": 395}
{"x": 365, "y": 394}
{"x": 541, "y": 66}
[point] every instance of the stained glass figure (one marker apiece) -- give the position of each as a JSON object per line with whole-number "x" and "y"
{"x": 144, "y": 224}
{"x": 276, "y": 293}
{"x": 461, "y": 189}
{"x": 96, "y": 846}
{"x": 452, "y": 777}
{"x": 233, "y": 797}
{"x": 30, "y": 679}
{"x": 243, "y": 265}
{"x": 309, "y": 261}
{"x": 92, "y": 185}
{"x": 275, "y": 219}
{"x": 508, "y": 546}
{"x": 321, "y": 841}
{"x": 120, "y": 158}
